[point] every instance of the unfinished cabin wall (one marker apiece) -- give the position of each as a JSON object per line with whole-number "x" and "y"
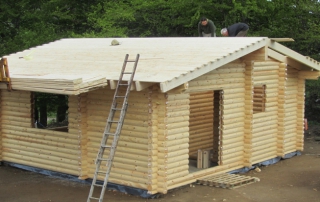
{"x": 229, "y": 81}
{"x": 174, "y": 141}
{"x": 265, "y": 122}
{"x": 22, "y": 144}
{"x": 130, "y": 165}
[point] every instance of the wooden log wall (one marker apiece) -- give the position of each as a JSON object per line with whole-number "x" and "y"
{"x": 132, "y": 158}
{"x": 22, "y": 144}
{"x": 290, "y": 112}
{"x": 157, "y": 165}
{"x": 265, "y": 124}
{"x": 231, "y": 79}
{"x": 281, "y": 108}
{"x": 201, "y": 121}
{"x": 176, "y": 144}
{"x": 248, "y": 114}
{"x": 77, "y": 117}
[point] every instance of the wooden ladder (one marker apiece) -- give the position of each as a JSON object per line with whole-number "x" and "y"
{"x": 107, "y": 132}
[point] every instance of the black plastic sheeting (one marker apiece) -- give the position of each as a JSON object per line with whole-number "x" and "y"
{"x": 266, "y": 163}
{"x": 111, "y": 186}
{"x": 135, "y": 191}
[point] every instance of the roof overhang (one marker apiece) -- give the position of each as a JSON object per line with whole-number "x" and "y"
{"x": 168, "y": 85}
{"x": 290, "y": 57}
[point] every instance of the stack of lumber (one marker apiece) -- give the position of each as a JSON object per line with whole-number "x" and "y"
{"x": 61, "y": 84}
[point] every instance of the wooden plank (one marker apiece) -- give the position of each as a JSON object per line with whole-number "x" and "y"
{"x": 282, "y": 39}
{"x": 142, "y": 85}
{"x": 294, "y": 55}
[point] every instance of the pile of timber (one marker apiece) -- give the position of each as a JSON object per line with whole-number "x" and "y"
{"x": 61, "y": 84}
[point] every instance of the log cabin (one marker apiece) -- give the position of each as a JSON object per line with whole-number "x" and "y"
{"x": 240, "y": 98}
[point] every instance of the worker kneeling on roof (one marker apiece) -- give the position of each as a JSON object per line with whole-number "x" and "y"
{"x": 236, "y": 30}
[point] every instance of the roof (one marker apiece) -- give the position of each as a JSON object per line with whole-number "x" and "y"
{"x": 76, "y": 65}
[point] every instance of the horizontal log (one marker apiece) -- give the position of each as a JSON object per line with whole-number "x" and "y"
{"x": 225, "y": 147}
{"x": 171, "y": 127}
{"x": 233, "y": 132}
{"x": 232, "y": 150}
{"x": 176, "y": 97}
{"x": 15, "y": 148}
{"x": 261, "y": 150}
{"x": 200, "y": 121}
{"x": 232, "y": 160}
{"x": 265, "y": 77}
{"x": 232, "y": 140}
{"x": 175, "y": 136}
{"x": 172, "y": 148}
{"x": 50, "y": 148}
{"x": 27, "y": 124}
{"x": 30, "y": 137}
{"x": 42, "y": 155}
{"x": 41, "y": 132}
{"x": 234, "y": 110}
{"x": 177, "y": 175}
{"x": 46, "y": 162}
{"x": 118, "y": 159}
{"x": 201, "y": 136}
{"x": 172, "y": 171}
{"x": 222, "y": 76}
{"x": 232, "y": 115}
{"x": 231, "y": 121}
{"x": 263, "y": 157}
{"x": 235, "y": 90}
{"x": 56, "y": 168}
{"x": 264, "y": 128}
{"x": 122, "y": 143}
{"x": 195, "y": 88}
{"x": 265, "y": 64}
{"x": 173, "y": 142}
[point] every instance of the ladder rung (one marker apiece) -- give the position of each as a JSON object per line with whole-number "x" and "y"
{"x": 121, "y": 96}
{"x": 98, "y": 185}
{"x": 109, "y": 134}
{"x": 116, "y": 109}
{"x": 127, "y": 73}
{"x": 94, "y": 198}
{"x": 130, "y": 60}
{"x": 106, "y": 146}
{"x": 113, "y": 121}
{"x": 100, "y": 172}
{"x": 101, "y": 159}
{"x": 121, "y": 84}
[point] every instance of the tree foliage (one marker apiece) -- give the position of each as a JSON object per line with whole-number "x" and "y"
{"x": 27, "y": 23}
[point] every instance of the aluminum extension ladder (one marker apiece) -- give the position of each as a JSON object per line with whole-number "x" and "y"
{"x": 115, "y": 135}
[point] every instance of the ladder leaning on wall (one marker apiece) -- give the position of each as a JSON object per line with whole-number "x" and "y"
{"x": 107, "y": 132}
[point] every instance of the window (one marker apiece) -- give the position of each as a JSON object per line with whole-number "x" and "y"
{"x": 259, "y": 98}
{"x": 50, "y": 111}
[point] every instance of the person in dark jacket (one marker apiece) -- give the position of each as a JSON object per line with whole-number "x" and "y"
{"x": 236, "y": 30}
{"x": 206, "y": 28}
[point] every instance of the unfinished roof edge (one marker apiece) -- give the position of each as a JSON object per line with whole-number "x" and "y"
{"x": 294, "y": 55}
{"x": 168, "y": 85}
{"x": 282, "y": 39}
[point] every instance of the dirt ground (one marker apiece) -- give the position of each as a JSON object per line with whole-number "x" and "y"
{"x": 291, "y": 180}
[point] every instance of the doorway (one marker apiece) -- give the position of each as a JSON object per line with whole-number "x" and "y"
{"x": 204, "y": 130}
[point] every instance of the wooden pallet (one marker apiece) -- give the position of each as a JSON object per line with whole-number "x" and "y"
{"x": 226, "y": 180}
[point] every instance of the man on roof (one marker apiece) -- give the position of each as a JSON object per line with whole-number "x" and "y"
{"x": 206, "y": 28}
{"x": 236, "y": 30}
